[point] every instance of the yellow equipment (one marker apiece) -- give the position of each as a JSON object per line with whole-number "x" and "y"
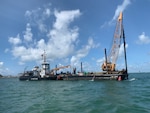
{"x": 110, "y": 61}
{"x": 62, "y": 67}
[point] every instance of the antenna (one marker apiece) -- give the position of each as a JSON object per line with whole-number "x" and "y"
{"x": 44, "y": 56}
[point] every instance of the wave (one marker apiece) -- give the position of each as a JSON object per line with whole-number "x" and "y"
{"x": 132, "y": 79}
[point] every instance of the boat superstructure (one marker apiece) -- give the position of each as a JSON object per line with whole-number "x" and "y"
{"x": 37, "y": 73}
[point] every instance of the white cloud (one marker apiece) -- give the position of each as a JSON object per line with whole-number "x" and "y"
{"x": 100, "y": 61}
{"x": 28, "y": 34}
{"x": 41, "y": 44}
{"x": 28, "y": 13}
{"x": 121, "y": 50}
{"x": 60, "y": 42}
{"x": 143, "y": 39}
{"x": 82, "y": 52}
{"x": 63, "y": 18}
{"x": 62, "y": 38}
{"x": 121, "y": 8}
{"x": 27, "y": 54}
{"x": 19, "y": 51}
{"x": 15, "y": 40}
{"x": 38, "y": 17}
{"x": 1, "y": 64}
{"x": 47, "y": 12}
{"x": 42, "y": 27}
{"x": 3, "y": 69}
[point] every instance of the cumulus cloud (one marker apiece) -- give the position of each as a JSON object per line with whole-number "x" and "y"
{"x": 60, "y": 42}
{"x": 82, "y": 52}
{"x": 1, "y": 64}
{"x": 62, "y": 38}
{"x": 143, "y": 39}
{"x": 100, "y": 61}
{"x": 3, "y": 69}
{"x": 15, "y": 40}
{"x": 47, "y": 12}
{"x": 63, "y": 18}
{"x": 28, "y": 34}
{"x": 28, "y": 13}
{"x": 120, "y": 8}
{"x": 38, "y": 17}
{"x": 121, "y": 50}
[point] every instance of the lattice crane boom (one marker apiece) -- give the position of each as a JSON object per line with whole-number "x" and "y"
{"x": 116, "y": 41}
{"x": 110, "y": 64}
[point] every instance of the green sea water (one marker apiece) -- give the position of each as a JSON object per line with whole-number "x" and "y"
{"x": 105, "y": 96}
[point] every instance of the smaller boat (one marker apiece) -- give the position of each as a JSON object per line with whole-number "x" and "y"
{"x": 29, "y": 75}
{"x": 39, "y": 74}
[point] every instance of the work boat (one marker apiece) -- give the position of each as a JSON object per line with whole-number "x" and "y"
{"x": 39, "y": 74}
{"x": 109, "y": 66}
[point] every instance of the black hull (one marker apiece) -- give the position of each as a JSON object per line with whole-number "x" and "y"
{"x": 77, "y": 77}
{"x": 49, "y": 78}
{"x": 98, "y": 77}
{"x": 28, "y": 78}
{"x": 35, "y": 78}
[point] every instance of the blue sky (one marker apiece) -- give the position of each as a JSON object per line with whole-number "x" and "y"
{"x": 70, "y": 32}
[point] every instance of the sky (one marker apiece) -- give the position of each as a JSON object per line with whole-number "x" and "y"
{"x": 71, "y": 32}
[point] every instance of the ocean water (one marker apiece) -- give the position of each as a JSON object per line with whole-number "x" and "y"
{"x": 105, "y": 96}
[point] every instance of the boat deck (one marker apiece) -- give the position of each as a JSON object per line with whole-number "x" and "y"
{"x": 95, "y": 77}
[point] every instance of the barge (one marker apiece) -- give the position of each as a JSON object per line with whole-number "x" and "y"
{"x": 108, "y": 67}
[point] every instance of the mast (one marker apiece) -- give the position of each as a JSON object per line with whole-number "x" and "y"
{"x": 124, "y": 46}
{"x": 125, "y": 52}
{"x": 125, "y": 56}
{"x": 106, "y": 59}
{"x": 81, "y": 68}
{"x": 45, "y": 66}
{"x": 44, "y": 56}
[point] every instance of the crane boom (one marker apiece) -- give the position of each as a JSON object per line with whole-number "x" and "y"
{"x": 110, "y": 64}
{"x": 62, "y": 67}
{"x": 116, "y": 41}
